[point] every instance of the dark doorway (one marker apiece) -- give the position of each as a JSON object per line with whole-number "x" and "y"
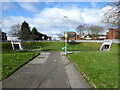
{"x": 16, "y": 47}
{"x": 105, "y": 47}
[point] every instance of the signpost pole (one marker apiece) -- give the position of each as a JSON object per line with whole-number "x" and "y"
{"x": 66, "y": 38}
{"x": 66, "y": 44}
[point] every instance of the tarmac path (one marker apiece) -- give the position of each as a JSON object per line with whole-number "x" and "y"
{"x": 48, "y": 70}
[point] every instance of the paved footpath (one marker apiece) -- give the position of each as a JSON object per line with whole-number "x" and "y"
{"x": 48, "y": 70}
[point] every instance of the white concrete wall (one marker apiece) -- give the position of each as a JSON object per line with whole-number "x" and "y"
{"x": 12, "y": 38}
{"x": 101, "y": 41}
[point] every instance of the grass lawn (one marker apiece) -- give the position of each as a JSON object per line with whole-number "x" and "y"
{"x": 100, "y": 68}
{"x": 0, "y": 65}
{"x": 57, "y": 46}
{"x": 45, "y": 46}
{"x": 84, "y": 46}
{"x": 13, "y": 60}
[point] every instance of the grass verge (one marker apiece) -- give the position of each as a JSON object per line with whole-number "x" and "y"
{"x": 99, "y": 68}
{"x": 13, "y": 61}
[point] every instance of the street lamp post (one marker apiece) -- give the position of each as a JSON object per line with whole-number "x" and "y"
{"x": 65, "y": 17}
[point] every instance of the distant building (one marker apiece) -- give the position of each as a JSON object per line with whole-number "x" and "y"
{"x": 102, "y": 37}
{"x": 88, "y": 38}
{"x": 77, "y": 36}
{"x": 72, "y": 35}
{"x": 49, "y": 38}
{"x": 112, "y": 34}
{"x": 12, "y": 38}
{"x": 3, "y": 36}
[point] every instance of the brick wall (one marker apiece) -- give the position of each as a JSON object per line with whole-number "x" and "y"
{"x": 73, "y": 35}
{"x": 111, "y": 34}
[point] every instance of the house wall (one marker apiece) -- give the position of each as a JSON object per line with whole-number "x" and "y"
{"x": 74, "y": 35}
{"x": 4, "y": 37}
{"x": 111, "y": 34}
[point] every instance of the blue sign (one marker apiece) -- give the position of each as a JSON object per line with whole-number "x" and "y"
{"x": 63, "y": 48}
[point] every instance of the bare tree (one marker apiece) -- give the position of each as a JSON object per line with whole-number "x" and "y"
{"x": 112, "y": 15}
{"x": 15, "y": 30}
{"x": 81, "y": 29}
{"x": 87, "y": 29}
{"x": 96, "y": 30}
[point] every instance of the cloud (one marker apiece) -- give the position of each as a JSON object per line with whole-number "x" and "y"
{"x": 92, "y": 16}
{"x": 29, "y": 7}
{"x": 51, "y": 20}
{"x": 55, "y": 32}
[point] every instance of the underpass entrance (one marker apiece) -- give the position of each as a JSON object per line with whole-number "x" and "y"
{"x": 106, "y": 45}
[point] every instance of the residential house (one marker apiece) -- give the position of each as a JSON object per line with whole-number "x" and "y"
{"x": 3, "y": 36}
{"x": 72, "y": 35}
{"x": 112, "y": 34}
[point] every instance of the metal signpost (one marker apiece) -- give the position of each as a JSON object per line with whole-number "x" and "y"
{"x": 65, "y": 17}
{"x": 66, "y": 43}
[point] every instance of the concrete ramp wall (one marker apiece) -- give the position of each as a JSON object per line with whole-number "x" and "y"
{"x": 16, "y": 45}
{"x": 106, "y": 45}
